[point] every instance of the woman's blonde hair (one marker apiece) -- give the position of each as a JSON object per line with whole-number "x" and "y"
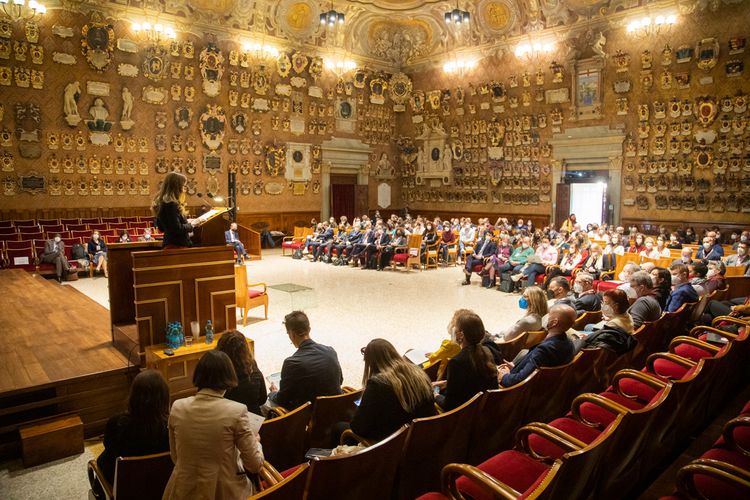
{"x": 409, "y": 382}
{"x": 171, "y": 191}
{"x": 537, "y": 301}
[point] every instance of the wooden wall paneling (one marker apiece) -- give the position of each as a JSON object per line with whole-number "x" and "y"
{"x": 183, "y": 285}
{"x": 280, "y": 221}
{"x": 121, "y": 293}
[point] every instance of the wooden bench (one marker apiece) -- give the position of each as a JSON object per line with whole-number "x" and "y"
{"x": 51, "y": 439}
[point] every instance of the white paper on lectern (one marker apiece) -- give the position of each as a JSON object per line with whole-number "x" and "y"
{"x": 203, "y": 218}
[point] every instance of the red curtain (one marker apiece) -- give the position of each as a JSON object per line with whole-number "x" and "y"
{"x": 342, "y": 201}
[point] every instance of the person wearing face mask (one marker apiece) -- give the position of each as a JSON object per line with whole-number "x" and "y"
{"x": 686, "y": 256}
{"x": 54, "y": 253}
{"x": 615, "y": 333}
{"x": 146, "y": 236}
{"x": 741, "y": 258}
{"x": 697, "y": 272}
{"x": 587, "y": 299}
{"x": 368, "y": 259}
{"x": 660, "y": 250}
{"x": 533, "y": 303}
{"x": 682, "y": 291}
{"x": 715, "y": 276}
{"x": 447, "y": 240}
{"x": 97, "y": 250}
{"x": 709, "y": 250}
{"x": 662, "y": 284}
{"x": 638, "y": 245}
{"x": 596, "y": 262}
{"x": 646, "y": 307}
{"x": 559, "y": 292}
{"x": 615, "y": 307}
{"x": 556, "y": 349}
{"x": 744, "y": 237}
{"x": 690, "y": 236}
{"x": 387, "y": 251}
{"x": 472, "y": 370}
{"x": 546, "y": 255}
{"x": 482, "y": 250}
{"x": 466, "y": 237}
{"x": 674, "y": 242}
{"x": 569, "y": 263}
{"x": 499, "y": 258}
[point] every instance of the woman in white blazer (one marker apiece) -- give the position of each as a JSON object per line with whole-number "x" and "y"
{"x": 210, "y": 438}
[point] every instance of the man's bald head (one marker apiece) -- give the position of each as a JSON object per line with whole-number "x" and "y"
{"x": 561, "y": 319}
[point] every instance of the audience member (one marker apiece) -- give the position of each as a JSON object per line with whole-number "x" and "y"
{"x": 559, "y": 292}
{"x": 54, "y": 253}
{"x": 97, "y": 250}
{"x": 210, "y": 438}
{"x": 624, "y": 278}
{"x": 686, "y": 256}
{"x": 615, "y": 314}
{"x": 251, "y": 387}
{"x": 546, "y": 255}
{"x": 662, "y": 283}
{"x": 141, "y": 430}
{"x": 534, "y": 303}
{"x": 472, "y": 370}
{"x": 482, "y": 250}
{"x": 587, "y": 299}
{"x": 646, "y": 307}
{"x": 146, "y": 236}
{"x": 500, "y": 258}
{"x": 310, "y": 372}
{"x": 556, "y": 348}
{"x": 741, "y": 258}
{"x": 682, "y": 291}
{"x": 710, "y": 249}
{"x": 697, "y": 272}
{"x": 396, "y": 392}
{"x": 232, "y": 237}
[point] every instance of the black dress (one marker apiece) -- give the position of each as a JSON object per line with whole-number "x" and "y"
{"x": 380, "y": 414}
{"x": 174, "y": 225}
{"x": 250, "y": 391}
{"x": 125, "y": 436}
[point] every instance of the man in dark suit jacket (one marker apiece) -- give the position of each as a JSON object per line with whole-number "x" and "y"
{"x": 482, "y": 250}
{"x": 320, "y": 241}
{"x": 310, "y": 372}
{"x": 346, "y": 242}
{"x": 382, "y": 238}
{"x": 54, "y": 253}
{"x": 556, "y": 349}
{"x": 682, "y": 290}
{"x": 367, "y": 238}
{"x": 233, "y": 238}
{"x": 588, "y": 299}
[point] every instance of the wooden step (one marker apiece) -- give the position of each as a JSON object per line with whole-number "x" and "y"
{"x": 51, "y": 439}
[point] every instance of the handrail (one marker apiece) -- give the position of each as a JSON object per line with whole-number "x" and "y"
{"x": 250, "y": 238}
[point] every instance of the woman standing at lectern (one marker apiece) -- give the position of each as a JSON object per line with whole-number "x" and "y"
{"x": 169, "y": 209}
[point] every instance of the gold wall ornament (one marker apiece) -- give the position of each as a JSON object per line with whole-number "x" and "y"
{"x": 261, "y": 79}
{"x": 212, "y": 69}
{"x": 707, "y": 53}
{"x": 212, "y": 126}
{"x": 299, "y": 62}
{"x": 706, "y": 110}
{"x": 156, "y": 63}
{"x": 154, "y": 95}
{"x": 275, "y": 160}
{"x": 283, "y": 65}
{"x": 401, "y": 87}
{"x": 97, "y": 43}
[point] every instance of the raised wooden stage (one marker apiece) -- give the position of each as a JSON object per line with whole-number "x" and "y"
{"x": 56, "y": 357}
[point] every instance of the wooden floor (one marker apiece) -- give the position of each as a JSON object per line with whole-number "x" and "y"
{"x": 50, "y": 333}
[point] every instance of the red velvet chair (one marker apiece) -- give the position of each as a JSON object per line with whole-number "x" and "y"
{"x": 24, "y": 222}
{"x": 21, "y": 259}
{"x": 31, "y": 236}
{"x": 10, "y": 237}
{"x": 31, "y": 229}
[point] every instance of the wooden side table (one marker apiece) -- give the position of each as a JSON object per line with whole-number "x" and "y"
{"x": 178, "y": 369}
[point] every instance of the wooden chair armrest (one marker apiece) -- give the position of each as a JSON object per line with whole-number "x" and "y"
{"x": 293, "y": 238}
{"x": 277, "y": 411}
{"x": 556, "y": 436}
{"x": 598, "y": 400}
{"x": 696, "y": 331}
{"x": 346, "y": 389}
{"x": 728, "y": 432}
{"x": 265, "y": 287}
{"x": 269, "y": 474}
{"x": 492, "y": 486}
{"x": 609, "y": 274}
{"x": 438, "y": 409}
{"x": 350, "y": 434}
{"x": 400, "y": 249}
{"x": 99, "y": 477}
{"x": 714, "y": 468}
{"x": 674, "y": 358}
{"x": 649, "y": 380}
{"x": 700, "y": 344}
{"x": 730, "y": 319}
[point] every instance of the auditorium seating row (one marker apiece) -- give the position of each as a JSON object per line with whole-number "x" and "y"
{"x": 75, "y": 221}
{"x": 411, "y": 459}
{"x": 38, "y": 231}
{"x": 723, "y": 471}
{"x": 611, "y": 442}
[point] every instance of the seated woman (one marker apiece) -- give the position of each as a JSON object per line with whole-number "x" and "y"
{"x": 251, "y": 387}
{"x": 386, "y": 253}
{"x": 124, "y": 236}
{"x": 614, "y": 247}
{"x": 662, "y": 280}
{"x": 97, "y": 250}
{"x": 472, "y": 370}
{"x": 661, "y": 248}
{"x": 674, "y": 241}
{"x": 715, "y": 275}
{"x": 141, "y": 430}
{"x": 396, "y": 392}
{"x": 698, "y": 272}
{"x": 210, "y": 437}
{"x": 615, "y": 305}
{"x": 499, "y": 258}
{"x": 429, "y": 238}
{"x": 534, "y": 302}
{"x": 594, "y": 263}
{"x": 447, "y": 240}
{"x": 649, "y": 250}
{"x": 567, "y": 265}
{"x": 638, "y": 245}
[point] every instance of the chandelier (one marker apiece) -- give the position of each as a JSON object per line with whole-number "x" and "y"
{"x": 331, "y": 18}
{"x": 260, "y": 51}
{"x": 457, "y": 16}
{"x": 659, "y": 25}
{"x": 339, "y": 66}
{"x": 156, "y": 32}
{"x": 460, "y": 65}
{"x": 18, "y": 10}
{"x": 534, "y": 49}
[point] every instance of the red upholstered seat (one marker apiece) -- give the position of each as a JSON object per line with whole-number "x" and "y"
{"x": 401, "y": 257}
{"x": 433, "y": 495}
{"x": 692, "y": 352}
{"x": 595, "y": 413}
{"x": 714, "y": 488}
{"x": 570, "y": 426}
{"x": 513, "y": 468}
{"x": 294, "y": 245}
{"x": 477, "y": 268}
{"x": 254, "y": 293}
{"x": 607, "y": 285}
{"x": 746, "y": 408}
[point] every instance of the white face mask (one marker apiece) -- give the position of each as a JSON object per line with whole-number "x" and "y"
{"x": 607, "y": 310}
{"x": 653, "y": 280}
{"x": 740, "y": 251}
{"x": 676, "y": 280}
{"x": 146, "y": 236}
{"x": 711, "y": 272}
{"x": 622, "y": 276}
{"x": 57, "y": 239}
{"x": 577, "y": 288}
{"x": 96, "y": 237}
{"x": 545, "y": 322}
{"x": 707, "y": 245}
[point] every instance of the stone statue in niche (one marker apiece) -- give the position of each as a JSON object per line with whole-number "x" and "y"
{"x": 598, "y": 46}
{"x": 447, "y": 157}
{"x": 99, "y": 127}
{"x": 70, "y": 103}
{"x": 384, "y": 168}
{"x": 28, "y": 120}
{"x": 126, "y": 121}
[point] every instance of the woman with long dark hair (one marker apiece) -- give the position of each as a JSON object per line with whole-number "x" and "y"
{"x": 169, "y": 210}
{"x": 251, "y": 388}
{"x": 473, "y": 369}
{"x": 141, "y": 430}
{"x": 662, "y": 281}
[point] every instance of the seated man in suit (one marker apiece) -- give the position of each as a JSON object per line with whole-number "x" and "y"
{"x": 346, "y": 243}
{"x": 741, "y": 258}
{"x": 710, "y": 250}
{"x": 559, "y": 292}
{"x": 368, "y": 236}
{"x": 682, "y": 290}
{"x": 482, "y": 249}
{"x": 686, "y": 256}
{"x": 233, "y": 238}
{"x": 382, "y": 238}
{"x": 54, "y": 253}
{"x": 310, "y": 372}
{"x": 556, "y": 349}
{"x": 588, "y": 299}
{"x": 321, "y": 241}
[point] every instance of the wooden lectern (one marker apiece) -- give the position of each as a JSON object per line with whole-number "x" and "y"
{"x": 211, "y": 231}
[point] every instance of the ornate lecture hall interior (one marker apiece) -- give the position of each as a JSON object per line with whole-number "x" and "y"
{"x": 374, "y": 249}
